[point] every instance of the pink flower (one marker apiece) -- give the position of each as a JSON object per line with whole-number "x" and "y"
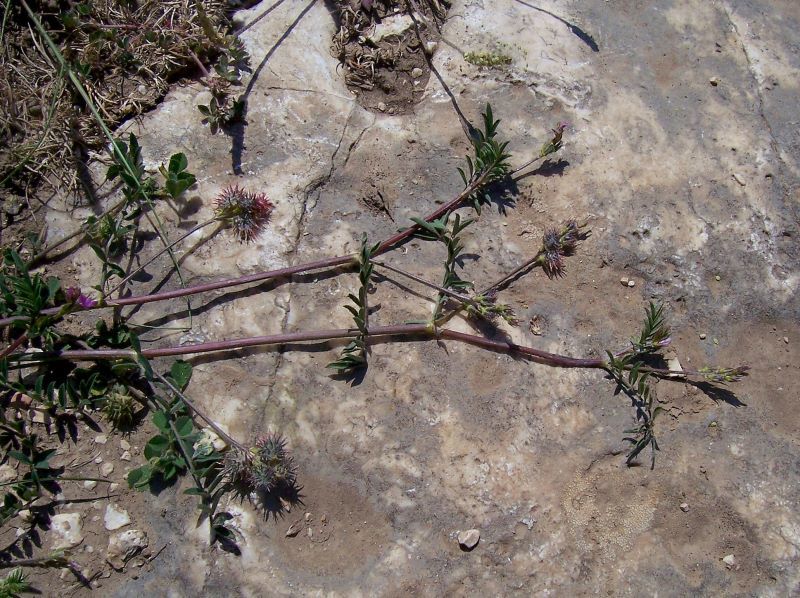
{"x": 74, "y": 295}
{"x": 247, "y": 212}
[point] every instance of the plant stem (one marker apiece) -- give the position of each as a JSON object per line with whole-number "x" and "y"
{"x": 444, "y": 291}
{"x": 45, "y": 561}
{"x": 62, "y": 478}
{"x": 10, "y": 348}
{"x": 200, "y": 64}
{"x": 424, "y": 330}
{"x": 534, "y": 261}
{"x": 162, "y": 252}
{"x": 219, "y": 431}
{"x": 526, "y": 165}
{"x": 329, "y": 262}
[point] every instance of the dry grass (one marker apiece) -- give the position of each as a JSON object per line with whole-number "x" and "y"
{"x": 125, "y": 53}
{"x": 359, "y": 55}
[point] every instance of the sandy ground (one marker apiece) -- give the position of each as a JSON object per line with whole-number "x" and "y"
{"x": 684, "y": 156}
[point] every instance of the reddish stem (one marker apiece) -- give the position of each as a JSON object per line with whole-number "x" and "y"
{"x": 536, "y": 355}
{"x": 10, "y": 348}
{"x": 330, "y": 262}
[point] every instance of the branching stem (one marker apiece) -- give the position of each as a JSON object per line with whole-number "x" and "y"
{"x": 164, "y": 250}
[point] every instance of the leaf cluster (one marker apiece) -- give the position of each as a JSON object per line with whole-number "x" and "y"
{"x": 489, "y": 162}
{"x": 28, "y": 487}
{"x": 26, "y": 295}
{"x": 167, "y": 453}
{"x": 14, "y": 584}
{"x": 354, "y": 354}
{"x": 177, "y": 178}
{"x": 449, "y": 233}
{"x": 129, "y": 167}
{"x": 635, "y": 384}
{"x": 111, "y": 234}
{"x": 628, "y": 370}
{"x": 655, "y": 332}
{"x": 221, "y": 110}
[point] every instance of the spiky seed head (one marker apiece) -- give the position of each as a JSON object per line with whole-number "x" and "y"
{"x": 570, "y": 235}
{"x": 553, "y": 265}
{"x": 119, "y": 407}
{"x": 551, "y": 240}
{"x": 265, "y": 467}
{"x": 247, "y": 212}
{"x": 273, "y": 467}
{"x": 237, "y": 467}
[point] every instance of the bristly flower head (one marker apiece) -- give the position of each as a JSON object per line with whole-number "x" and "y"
{"x": 557, "y": 244}
{"x": 724, "y": 375}
{"x": 247, "y": 212}
{"x": 264, "y": 468}
{"x": 486, "y": 306}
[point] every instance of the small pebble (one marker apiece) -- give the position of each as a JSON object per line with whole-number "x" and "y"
{"x": 417, "y": 72}
{"x": 430, "y": 48}
{"x": 90, "y": 484}
{"x": 739, "y": 179}
{"x": 786, "y": 339}
{"x": 115, "y": 517}
{"x": 631, "y": 283}
{"x": 102, "y": 439}
{"x": 309, "y": 516}
{"x": 716, "y": 341}
{"x": 381, "y": 106}
{"x": 685, "y": 507}
{"x": 113, "y": 487}
{"x": 107, "y": 469}
{"x": 98, "y": 459}
{"x": 124, "y": 445}
{"x": 729, "y": 560}
{"x": 126, "y": 456}
{"x": 624, "y": 281}
{"x": 717, "y": 278}
{"x": 714, "y": 81}
{"x": 702, "y": 337}
{"x": 469, "y": 539}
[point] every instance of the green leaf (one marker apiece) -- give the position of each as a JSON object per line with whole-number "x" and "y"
{"x": 178, "y": 162}
{"x": 53, "y": 286}
{"x": 21, "y": 457}
{"x": 156, "y": 447}
{"x": 140, "y": 477}
{"x": 184, "y": 426}
{"x": 181, "y": 373}
{"x": 161, "y": 421}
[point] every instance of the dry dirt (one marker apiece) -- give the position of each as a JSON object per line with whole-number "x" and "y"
{"x": 683, "y": 154}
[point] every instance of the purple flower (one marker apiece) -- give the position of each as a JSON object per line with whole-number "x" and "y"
{"x": 86, "y": 302}
{"x": 553, "y": 265}
{"x": 247, "y": 212}
{"x": 74, "y": 295}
